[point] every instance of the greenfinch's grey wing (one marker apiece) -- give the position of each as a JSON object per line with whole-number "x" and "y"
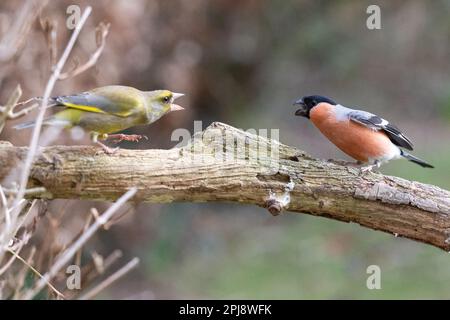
{"x": 121, "y": 101}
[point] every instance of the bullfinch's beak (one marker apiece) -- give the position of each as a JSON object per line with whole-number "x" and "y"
{"x": 175, "y": 107}
{"x": 303, "y": 111}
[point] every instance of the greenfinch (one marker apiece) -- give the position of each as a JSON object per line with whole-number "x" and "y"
{"x": 110, "y": 109}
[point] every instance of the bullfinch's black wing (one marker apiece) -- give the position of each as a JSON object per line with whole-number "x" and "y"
{"x": 374, "y": 122}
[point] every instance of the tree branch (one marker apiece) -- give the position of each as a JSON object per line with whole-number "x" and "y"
{"x": 246, "y": 169}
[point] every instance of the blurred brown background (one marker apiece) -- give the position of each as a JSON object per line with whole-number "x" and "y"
{"x": 244, "y": 63}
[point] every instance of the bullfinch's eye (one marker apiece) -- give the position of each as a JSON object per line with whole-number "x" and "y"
{"x": 166, "y": 99}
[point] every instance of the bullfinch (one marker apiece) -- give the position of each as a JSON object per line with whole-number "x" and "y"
{"x": 110, "y": 109}
{"x": 362, "y": 135}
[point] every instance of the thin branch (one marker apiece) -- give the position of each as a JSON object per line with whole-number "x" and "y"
{"x": 90, "y": 271}
{"x": 72, "y": 250}
{"x": 7, "y": 233}
{"x": 28, "y": 192}
{"x": 59, "y": 294}
{"x": 101, "y": 33}
{"x": 11, "y": 260}
{"x": 49, "y": 28}
{"x": 23, "y": 112}
{"x": 21, "y": 275}
{"x": 4, "y": 202}
{"x": 111, "y": 279}
{"x": 14, "y": 39}
{"x": 24, "y": 217}
{"x": 6, "y": 111}
{"x": 51, "y": 83}
{"x": 80, "y": 251}
{"x": 22, "y": 103}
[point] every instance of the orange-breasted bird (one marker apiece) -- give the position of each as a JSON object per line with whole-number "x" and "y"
{"x": 362, "y": 135}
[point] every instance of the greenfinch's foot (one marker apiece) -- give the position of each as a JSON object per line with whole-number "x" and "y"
{"x": 126, "y": 137}
{"x": 107, "y": 149}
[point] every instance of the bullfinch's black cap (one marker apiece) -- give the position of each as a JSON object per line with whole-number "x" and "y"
{"x": 308, "y": 102}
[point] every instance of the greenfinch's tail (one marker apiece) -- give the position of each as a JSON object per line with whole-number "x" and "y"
{"x": 46, "y": 122}
{"x": 25, "y": 125}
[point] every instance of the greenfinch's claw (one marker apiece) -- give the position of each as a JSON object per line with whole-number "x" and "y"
{"x": 111, "y": 150}
{"x": 126, "y": 137}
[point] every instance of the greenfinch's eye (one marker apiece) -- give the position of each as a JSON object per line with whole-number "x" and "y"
{"x": 166, "y": 99}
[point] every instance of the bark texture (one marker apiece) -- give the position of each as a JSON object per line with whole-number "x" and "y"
{"x": 223, "y": 163}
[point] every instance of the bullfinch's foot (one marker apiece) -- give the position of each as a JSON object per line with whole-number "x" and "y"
{"x": 369, "y": 168}
{"x": 107, "y": 149}
{"x": 126, "y": 137}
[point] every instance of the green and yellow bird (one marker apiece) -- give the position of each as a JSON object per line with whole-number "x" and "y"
{"x": 110, "y": 109}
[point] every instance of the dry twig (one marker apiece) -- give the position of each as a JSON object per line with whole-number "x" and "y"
{"x": 111, "y": 279}
{"x": 100, "y": 36}
{"x": 68, "y": 254}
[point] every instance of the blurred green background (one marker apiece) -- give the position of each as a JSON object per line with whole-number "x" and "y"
{"x": 244, "y": 63}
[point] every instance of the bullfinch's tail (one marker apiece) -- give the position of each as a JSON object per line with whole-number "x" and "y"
{"x": 414, "y": 159}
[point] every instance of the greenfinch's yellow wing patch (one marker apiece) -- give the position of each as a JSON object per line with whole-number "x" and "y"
{"x": 83, "y": 108}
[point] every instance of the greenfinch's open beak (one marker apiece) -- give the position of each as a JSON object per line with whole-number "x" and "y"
{"x": 173, "y": 106}
{"x": 175, "y": 95}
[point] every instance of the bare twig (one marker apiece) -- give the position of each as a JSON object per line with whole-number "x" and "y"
{"x": 72, "y": 250}
{"x": 14, "y": 39}
{"x": 28, "y": 192}
{"x": 23, "y": 112}
{"x": 122, "y": 215}
{"x": 101, "y": 33}
{"x": 11, "y": 260}
{"x": 8, "y": 232}
{"x": 111, "y": 279}
{"x": 6, "y": 111}
{"x": 4, "y": 202}
{"x": 89, "y": 271}
{"x": 49, "y": 28}
{"x": 86, "y": 226}
{"x": 22, "y": 103}
{"x": 51, "y": 83}
{"x": 36, "y": 272}
{"x": 21, "y": 275}
{"x": 24, "y": 217}
{"x": 92, "y": 271}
